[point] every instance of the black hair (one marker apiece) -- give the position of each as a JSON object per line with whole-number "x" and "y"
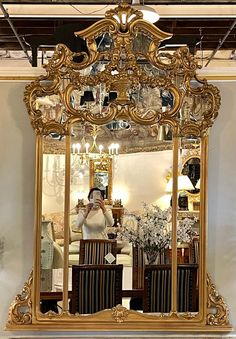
{"x": 94, "y": 189}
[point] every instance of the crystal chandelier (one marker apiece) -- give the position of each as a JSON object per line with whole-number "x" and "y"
{"x": 83, "y": 151}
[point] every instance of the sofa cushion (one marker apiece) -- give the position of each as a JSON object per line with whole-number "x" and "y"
{"x": 60, "y": 242}
{"x": 58, "y": 226}
{"x": 74, "y": 247}
{"x": 58, "y": 223}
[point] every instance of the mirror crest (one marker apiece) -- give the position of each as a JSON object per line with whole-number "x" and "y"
{"x": 122, "y": 82}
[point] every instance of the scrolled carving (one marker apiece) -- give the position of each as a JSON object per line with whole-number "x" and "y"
{"x": 119, "y": 313}
{"x": 120, "y": 69}
{"x": 20, "y": 311}
{"x": 216, "y": 301}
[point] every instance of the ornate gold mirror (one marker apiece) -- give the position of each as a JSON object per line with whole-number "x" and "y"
{"x": 191, "y": 168}
{"x": 133, "y": 110}
{"x": 101, "y": 176}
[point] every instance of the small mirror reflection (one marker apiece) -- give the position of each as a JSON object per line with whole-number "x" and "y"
{"x": 188, "y": 220}
{"x": 52, "y": 224}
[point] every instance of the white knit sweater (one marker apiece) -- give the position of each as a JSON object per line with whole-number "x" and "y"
{"x": 94, "y": 226}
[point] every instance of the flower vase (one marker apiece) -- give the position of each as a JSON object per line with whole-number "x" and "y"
{"x": 46, "y": 246}
{"x": 151, "y": 257}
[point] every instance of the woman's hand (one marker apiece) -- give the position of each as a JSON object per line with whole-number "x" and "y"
{"x": 88, "y": 209}
{"x": 101, "y": 204}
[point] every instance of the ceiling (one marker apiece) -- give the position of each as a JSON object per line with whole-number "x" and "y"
{"x": 37, "y": 26}
{"x": 149, "y": 2}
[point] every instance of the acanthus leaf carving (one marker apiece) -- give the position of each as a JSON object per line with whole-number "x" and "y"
{"x": 20, "y": 311}
{"x": 121, "y": 71}
{"x": 215, "y": 301}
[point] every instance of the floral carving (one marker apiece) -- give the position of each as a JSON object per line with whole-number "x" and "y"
{"x": 20, "y": 311}
{"x": 119, "y": 313}
{"x": 216, "y": 301}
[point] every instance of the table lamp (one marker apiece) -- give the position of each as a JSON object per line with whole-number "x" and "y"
{"x": 184, "y": 184}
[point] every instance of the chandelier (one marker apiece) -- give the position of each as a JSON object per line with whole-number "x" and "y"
{"x": 83, "y": 151}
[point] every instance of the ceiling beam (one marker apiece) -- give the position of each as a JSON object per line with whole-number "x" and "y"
{"x": 105, "y": 2}
{"x": 95, "y": 10}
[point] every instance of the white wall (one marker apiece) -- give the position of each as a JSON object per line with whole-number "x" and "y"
{"x": 141, "y": 177}
{"x": 137, "y": 178}
{"x": 17, "y": 145}
{"x": 54, "y": 183}
{"x": 17, "y": 196}
{"x": 222, "y": 198}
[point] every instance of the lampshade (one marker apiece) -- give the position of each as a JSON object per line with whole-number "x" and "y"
{"x": 184, "y": 184}
{"x": 112, "y": 96}
{"x": 198, "y": 184}
{"x": 88, "y": 96}
{"x": 161, "y": 133}
{"x": 81, "y": 100}
{"x": 106, "y": 101}
{"x": 149, "y": 14}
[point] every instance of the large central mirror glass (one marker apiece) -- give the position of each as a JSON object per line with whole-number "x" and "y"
{"x": 126, "y": 223}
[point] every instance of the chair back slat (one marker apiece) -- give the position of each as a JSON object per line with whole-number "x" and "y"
{"x": 194, "y": 250}
{"x": 157, "y": 288}
{"x": 139, "y": 264}
{"x": 95, "y": 288}
{"x": 93, "y": 251}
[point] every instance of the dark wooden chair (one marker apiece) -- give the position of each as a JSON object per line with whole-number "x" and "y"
{"x": 95, "y": 288}
{"x": 138, "y": 273}
{"x": 139, "y": 264}
{"x": 138, "y": 268}
{"x": 93, "y": 251}
{"x": 157, "y": 288}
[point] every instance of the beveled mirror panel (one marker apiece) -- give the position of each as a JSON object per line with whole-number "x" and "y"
{"x": 143, "y": 110}
{"x": 52, "y": 225}
{"x": 188, "y": 250}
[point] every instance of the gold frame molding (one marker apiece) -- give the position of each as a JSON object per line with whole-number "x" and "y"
{"x": 215, "y": 301}
{"x": 180, "y": 64}
{"x": 24, "y": 299}
{"x": 217, "y": 315}
{"x": 63, "y": 77}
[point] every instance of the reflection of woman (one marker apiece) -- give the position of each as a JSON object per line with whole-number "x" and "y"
{"x": 95, "y": 218}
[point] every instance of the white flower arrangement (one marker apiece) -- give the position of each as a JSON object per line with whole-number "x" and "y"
{"x": 151, "y": 230}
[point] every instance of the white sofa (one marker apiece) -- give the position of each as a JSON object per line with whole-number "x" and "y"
{"x": 123, "y": 257}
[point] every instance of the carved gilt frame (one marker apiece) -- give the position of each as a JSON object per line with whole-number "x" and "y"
{"x": 63, "y": 78}
{"x": 103, "y": 164}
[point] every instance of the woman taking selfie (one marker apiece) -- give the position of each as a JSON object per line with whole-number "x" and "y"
{"x": 95, "y": 218}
